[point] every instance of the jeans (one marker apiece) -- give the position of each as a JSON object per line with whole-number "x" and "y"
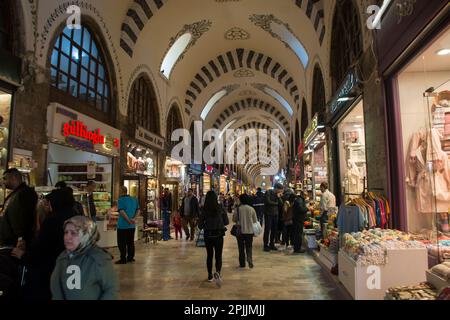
{"x": 288, "y": 234}
{"x": 298, "y": 232}
{"x": 245, "y": 243}
{"x": 270, "y": 228}
{"x": 125, "y": 241}
{"x": 166, "y": 225}
{"x": 214, "y": 246}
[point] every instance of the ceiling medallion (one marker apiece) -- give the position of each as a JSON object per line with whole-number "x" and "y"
{"x": 244, "y": 73}
{"x": 237, "y": 34}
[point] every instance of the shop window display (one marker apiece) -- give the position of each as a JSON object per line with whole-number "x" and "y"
{"x": 424, "y": 95}
{"x": 352, "y": 153}
{"x": 5, "y": 111}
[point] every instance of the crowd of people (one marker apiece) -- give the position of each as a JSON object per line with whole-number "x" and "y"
{"x": 47, "y": 243}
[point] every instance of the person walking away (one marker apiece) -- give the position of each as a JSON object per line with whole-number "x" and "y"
{"x": 245, "y": 217}
{"x": 126, "y": 225}
{"x": 280, "y": 227}
{"x": 327, "y": 204}
{"x": 258, "y": 205}
{"x": 18, "y": 216}
{"x": 299, "y": 211}
{"x": 97, "y": 279}
{"x": 166, "y": 210}
{"x": 92, "y": 210}
{"x": 289, "y": 198}
{"x": 176, "y": 222}
{"x": 213, "y": 220}
{"x": 189, "y": 212}
{"x": 271, "y": 203}
{"x": 40, "y": 258}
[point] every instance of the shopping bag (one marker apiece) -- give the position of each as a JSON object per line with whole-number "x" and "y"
{"x": 257, "y": 229}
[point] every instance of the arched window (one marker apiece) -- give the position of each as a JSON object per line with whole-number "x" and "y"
{"x": 173, "y": 122}
{"x": 142, "y": 105}
{"x": 318, "y": 93}
{"x": 304, "y": 119}
{"x": 346, "y": 40}
{"x": 78, "y": 68}
{"x": 5, "y": 26}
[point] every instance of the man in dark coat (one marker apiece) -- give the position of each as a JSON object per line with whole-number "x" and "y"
{"x": 299, "y": 212}
{"x": 271, "y": 212}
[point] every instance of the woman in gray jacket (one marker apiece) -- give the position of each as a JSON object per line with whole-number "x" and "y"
{"x": 245, "y": 216}
{"x": 83, "y": 271}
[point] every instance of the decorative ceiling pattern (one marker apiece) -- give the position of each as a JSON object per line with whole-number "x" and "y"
{"x": 244, "y": 73}
{"x": 248, "y": 104}
{"x": 314, "y": 14}
{"x": 139, "y": 13}
{"x": 196, "y": 29}
{"x": 237, "y": 34}
{"x": 233, "y": 60}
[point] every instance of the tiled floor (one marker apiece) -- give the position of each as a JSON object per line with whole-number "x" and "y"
{"x": 177, "y": 270}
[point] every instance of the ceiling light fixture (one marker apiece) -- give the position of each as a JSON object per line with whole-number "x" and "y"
{"x": 443, "y": 52}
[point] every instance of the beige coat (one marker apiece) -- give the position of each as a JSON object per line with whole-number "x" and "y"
{"x": 247, "y": 217}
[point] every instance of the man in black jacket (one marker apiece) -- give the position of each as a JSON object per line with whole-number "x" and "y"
{"x": 299, "y": 213}
{"x": 189, "y": 212}
{"x": 18, "y": 217}
{"x": 271, "y": 204}
{"x": 258, "y": 205}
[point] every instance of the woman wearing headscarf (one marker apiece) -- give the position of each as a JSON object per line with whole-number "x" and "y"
{"x": 83, "y": 271}
{"x": 213, "y": 220}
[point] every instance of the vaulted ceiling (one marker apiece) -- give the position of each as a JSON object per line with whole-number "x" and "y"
{"x": 236, "y": 46}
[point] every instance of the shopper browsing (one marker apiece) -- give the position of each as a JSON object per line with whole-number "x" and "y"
{"x": 271, "y": 206}
{"x": 83, "y": 271}
{"x": 327, "y": 203}
{"x": 126, "y": 226}
{"x": 299, "y": 212}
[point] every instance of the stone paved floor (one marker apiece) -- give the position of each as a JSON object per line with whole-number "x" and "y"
{"x": 175, "y": 270}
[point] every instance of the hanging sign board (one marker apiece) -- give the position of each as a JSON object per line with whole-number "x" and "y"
{"x": 149, "y": 138}
{"x": 311, "y": 129}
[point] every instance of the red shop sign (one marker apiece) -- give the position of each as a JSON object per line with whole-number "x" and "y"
{"x": 79, "y": 129}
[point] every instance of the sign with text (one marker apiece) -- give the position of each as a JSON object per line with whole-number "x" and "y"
{"x": 311, "y": 129}
{"x": 70, "y": 127}
{"x": 346, "y": 89}
{"x": 149, "y": 138}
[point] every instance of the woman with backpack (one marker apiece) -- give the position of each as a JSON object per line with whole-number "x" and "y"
{"x": 213, "y": 220}
{"x": 245, "y": 217}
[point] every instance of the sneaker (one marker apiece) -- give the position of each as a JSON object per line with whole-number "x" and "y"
{"x": 218, "y": 279}
{"x": 250, "y": 265}
{"x": 121, "y": 262}
{"x": 210, "y": 278}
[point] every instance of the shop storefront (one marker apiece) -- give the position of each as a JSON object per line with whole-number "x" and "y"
{"x": 346, "y": 118}
{"x": 195, "y": 177}
{"x": 141, "y": 168}
{"x": 81, "y": 149}
{"x": 223, "y": 184}
{"x": 208, "y": 179}
{"x": 315, "y": 159}
{"x": 175, "y": 173}
{"x": 417, "y": 82}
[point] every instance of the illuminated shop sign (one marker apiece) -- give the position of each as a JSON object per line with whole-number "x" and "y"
{"x": 345, "y": 92}
{"x": 311, "y": 129}
{"x": 79, "y": 129}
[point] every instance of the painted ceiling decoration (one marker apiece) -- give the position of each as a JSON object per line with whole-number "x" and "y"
{"x": 216, "y": 97}
{"x": 281, "y": 31}
{"x": 180, "y": 44}
{"x": 274, "y": 94}
{"x": 139, "y": 13}
{"x": 233, "y": 60}
{"x": 237, "y": 33}
{"x": 247, "y": 104}
{"x": 244, "y": 73}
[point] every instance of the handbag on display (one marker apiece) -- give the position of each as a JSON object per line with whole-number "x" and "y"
{"x": 236, "y": 229}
